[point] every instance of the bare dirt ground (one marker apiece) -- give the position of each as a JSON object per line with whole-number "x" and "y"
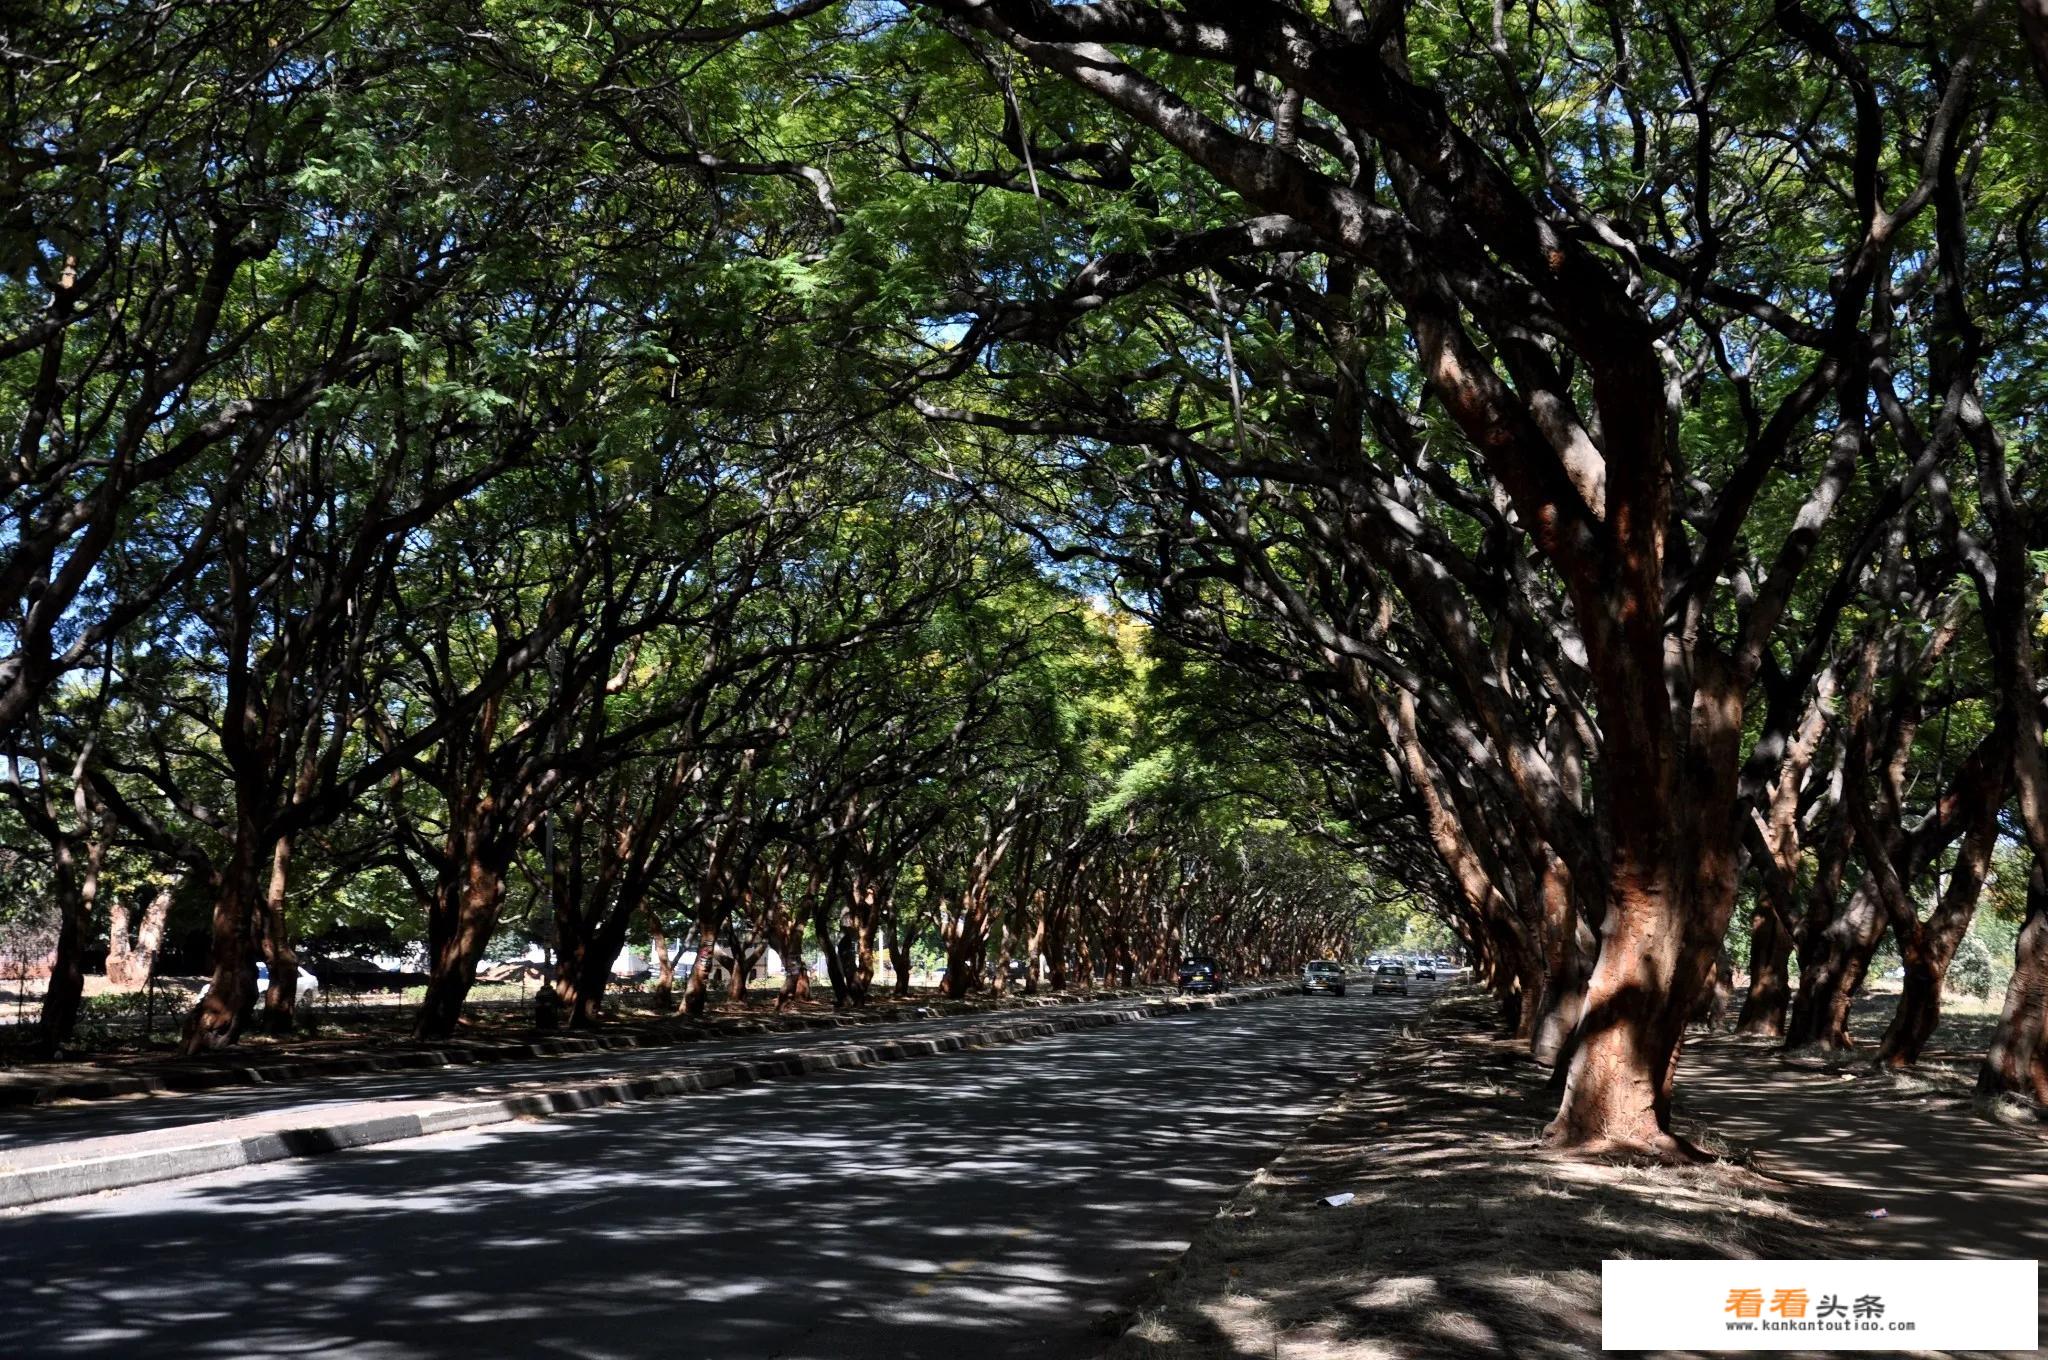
{"x": 1954, "y": 1177}
{"x": 1464, "y": 1241}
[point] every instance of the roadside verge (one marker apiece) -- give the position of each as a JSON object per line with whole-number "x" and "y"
{"x": 1460, "y": 1238}
{"x": 243, "y": 1067}
{"x": 90, "y": 1166}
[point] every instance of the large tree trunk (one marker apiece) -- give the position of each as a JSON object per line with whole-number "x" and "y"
{"x": 77, "y": 885}
{"x": 1035, "y": 946}
{"x": 1839, "y": 1001}
{"x": 2017, "y": 1062}
{"x": 601, "y": 950}
{"x": 465, "y": 915}
{"x": 1774, "y": 924}
{"x": 834, "y": 968}
{"x": 218, "y": 1018}
{"x": 664, "y": 961}
{"x": 963, "y": 936}
{"x": 1672, "y": 879}
{"x": 695, "y": 991}
{"x": 868, "y": 903}
{"x": 1770, "y": 982}
{"x": 1711, "y": 1010}
{"x": 1927, "y": 963}
{"x": 743, "y": 959}
{"x": 1919, "y": 1009}
{"x": 1055, "y": 947}
{"x": 1614, "y": 1094}
{"x": 280, "y": 1000}
{"x": 1563, "y": 998}
{"x": 899, "y": 956}
{"x": 967, "y": 937}
{"x": 1517, "y": 978}
{"x": 132, "y": 948}
{"x": 796, "y": 973}
{"x": 1832, "y": 963}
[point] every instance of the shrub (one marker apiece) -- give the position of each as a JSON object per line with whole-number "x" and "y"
{"x": 1971, "y": 971}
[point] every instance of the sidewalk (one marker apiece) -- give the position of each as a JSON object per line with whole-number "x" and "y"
{"x": 48, "y": 1154}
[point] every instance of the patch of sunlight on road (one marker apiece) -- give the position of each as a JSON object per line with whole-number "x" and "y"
{"x": 105, "y": 1336}
{"x": 734, "y": 1289}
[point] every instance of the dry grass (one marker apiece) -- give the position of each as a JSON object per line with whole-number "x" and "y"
{"x": 1464, "y": 1240}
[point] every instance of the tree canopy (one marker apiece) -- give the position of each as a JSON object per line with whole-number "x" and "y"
{"x": 1067, "y": 483}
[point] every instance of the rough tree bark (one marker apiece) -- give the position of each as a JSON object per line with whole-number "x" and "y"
{"x": 218, "y": 1018}
{"x": 1934, "y": 942}
{"x": 2017, "y": 1062}
{"x": 281, "y": 998}
{"x": 132, "y": 945}
{"x": 464, "y": 915}
{"x": 1769, "y": 990}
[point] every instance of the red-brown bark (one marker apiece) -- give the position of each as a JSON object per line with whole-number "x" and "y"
{"x": 237, "y": 920}
{"x": 1769, "y": 990}
{"x": 2017, "y": 1063}
{"x": 132, "y": 945}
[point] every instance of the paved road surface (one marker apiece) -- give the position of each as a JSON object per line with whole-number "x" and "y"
{"x": 984, "y": 1205}
{"x": 36, "y": 1126}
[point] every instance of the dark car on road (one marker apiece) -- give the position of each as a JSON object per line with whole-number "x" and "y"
{"x": 1324, "y": 975}
{"x": 1201, "y": 975}
{"x": 1389, "y": 978}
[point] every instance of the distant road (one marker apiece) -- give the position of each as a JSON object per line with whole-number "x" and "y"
{"x": 981, "y": 1205}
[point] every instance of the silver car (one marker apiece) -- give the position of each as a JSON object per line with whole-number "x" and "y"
{"x": 1324, "y": 975}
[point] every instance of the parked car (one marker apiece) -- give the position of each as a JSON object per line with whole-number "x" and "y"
{"x": 1324, "y": 975}
{"x": 309, "y": 986}
{"x": 308, "y": 990}
{"x": 1201, "y": 975}
{"x": 351, "y": 974}
{"x": 1389, "y": 978}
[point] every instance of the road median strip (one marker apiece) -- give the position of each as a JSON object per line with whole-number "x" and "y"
{"x": 127, "y": 1161}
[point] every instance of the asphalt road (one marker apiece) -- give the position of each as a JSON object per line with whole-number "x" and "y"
{"x": 986, "y": 1205}
{"x": 37, "y": 1126}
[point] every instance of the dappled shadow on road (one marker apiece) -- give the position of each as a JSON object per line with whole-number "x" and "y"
{"x": 313, "y": 1090}
{"x": 990, "y": 1204}
{"x": 1461, "y": 1240}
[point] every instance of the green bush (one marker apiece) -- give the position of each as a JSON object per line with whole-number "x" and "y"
{"x": 112, "y": 1016}
{"x": 1972, "y": 971}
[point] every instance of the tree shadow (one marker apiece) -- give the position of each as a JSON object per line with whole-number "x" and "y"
{"x": 1462, "y": 1239}
{"x": 31, "y": 1127}
{"x": 1951, "y": 1183}
{"x": 995, "y": 1204}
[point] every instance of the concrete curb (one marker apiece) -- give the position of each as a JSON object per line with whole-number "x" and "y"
{"x": 120, "y": 1171}
{"x": 186, "y": 1080}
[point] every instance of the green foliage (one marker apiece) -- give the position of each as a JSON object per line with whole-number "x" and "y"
{"x": 1973, "y": 971}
